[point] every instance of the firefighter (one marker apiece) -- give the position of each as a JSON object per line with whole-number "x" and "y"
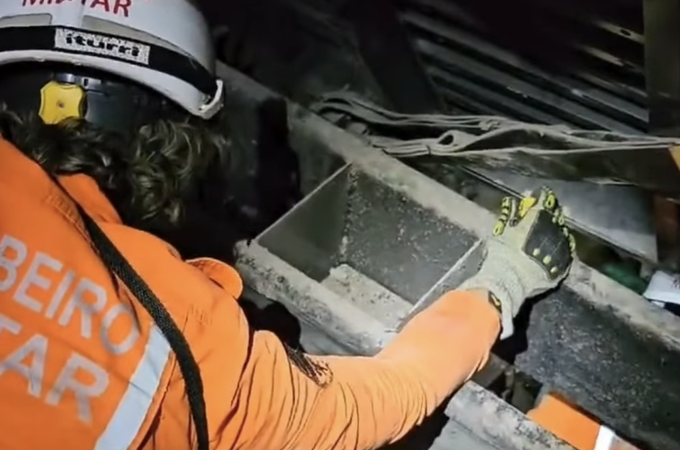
{"x": 108, "y": 339}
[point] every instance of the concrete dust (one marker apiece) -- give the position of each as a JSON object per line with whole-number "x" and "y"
{"x": 373, "y": 298}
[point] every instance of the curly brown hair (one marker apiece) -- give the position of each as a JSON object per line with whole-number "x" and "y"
{"x": 148, "y": 177}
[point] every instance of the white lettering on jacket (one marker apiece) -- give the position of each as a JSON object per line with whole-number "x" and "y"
{"x": 42, "y": 285}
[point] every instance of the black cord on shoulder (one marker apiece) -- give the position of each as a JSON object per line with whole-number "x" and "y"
{"x": 189, "y": 369}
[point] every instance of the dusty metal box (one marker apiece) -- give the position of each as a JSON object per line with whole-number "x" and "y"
{"x": 369, "y": 243}
{"x": 352, "y": 261}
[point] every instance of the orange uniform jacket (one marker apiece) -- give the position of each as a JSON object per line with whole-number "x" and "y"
{"x": 82, "y": 362}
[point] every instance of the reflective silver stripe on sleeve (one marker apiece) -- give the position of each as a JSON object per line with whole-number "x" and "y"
{"x": 605, "y": 439}
{"x": 127, "y": 419}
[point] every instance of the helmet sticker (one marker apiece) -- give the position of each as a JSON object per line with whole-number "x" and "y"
{"x": 116, "y": 7}
{"x": 100, "y": 45}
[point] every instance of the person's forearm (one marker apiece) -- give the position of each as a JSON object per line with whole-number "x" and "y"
{"x": 378, "y": 400}
{"x": 452, "y": 340}
{"x": 369, "y": 401}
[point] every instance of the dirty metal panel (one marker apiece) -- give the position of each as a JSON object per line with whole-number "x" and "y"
{"x": 354, "y": 220}
{"x": 484, "y": 74}
{"x": 616, "y": 372}
{"x": 386, "y": 49}
{"x": 353, "y": 228}
{"x": 601, "y": 345}
{"x": 396, "y": 241}
{"x": 612, "y": 320}
{"x": 621, "y": 216}
{"x": 580, "y": 63}
{"x": 662, "y": 66}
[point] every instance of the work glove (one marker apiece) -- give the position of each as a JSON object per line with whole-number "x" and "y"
{"x": 530, "y": 253}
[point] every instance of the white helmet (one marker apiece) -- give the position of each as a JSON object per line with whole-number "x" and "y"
{"x": 162, "y": 44}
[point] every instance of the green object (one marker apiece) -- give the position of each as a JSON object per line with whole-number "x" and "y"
{"x": 625, "y": 276}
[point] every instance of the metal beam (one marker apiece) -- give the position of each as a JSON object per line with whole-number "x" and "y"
{"x": 387, "y": 52}
{"x": 662, "y": 67}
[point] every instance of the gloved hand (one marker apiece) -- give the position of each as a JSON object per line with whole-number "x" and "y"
{"x": 530, "y": 253}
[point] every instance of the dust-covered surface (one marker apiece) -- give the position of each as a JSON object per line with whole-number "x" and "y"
{"x": 395, "y": 241}
{"x": 593, "y": 286}
{"x": 378, "y": 231}
{"x": 597, "y": 348}
{"x": 310, "y": 131}
{"x": 630, "y": 379}
{"x": 467, "y": 266}
{"x": 373, "y": 298}
{"x": 309, "y": 301}
{"x": 502, "y": 425}
{"x": 474, "y": 411}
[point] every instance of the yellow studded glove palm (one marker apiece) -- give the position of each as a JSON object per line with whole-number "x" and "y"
{"x": 530, "y": 253}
